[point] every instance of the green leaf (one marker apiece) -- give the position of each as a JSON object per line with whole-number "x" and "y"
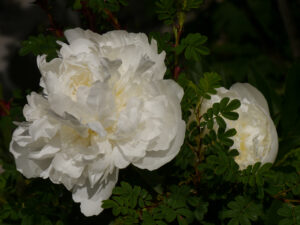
{"x": 181, "y": 220}
{"x": 40, "y": 45}
{"x": 210, "y": 124}
{"x": 290, "y": 213}
{"x": 147, "y": 219}
{"x": 163, "y": 41}
{"x": 210, "y": 113}
{"x": 233, "y": 105}
{"x": 170, "y": 214}
{"x": 221, "y": 163}
{"x": 201, "y": 210}
{"x": 229, "y": 133}
{"x": 109, "y": 204}
{"x": 208, "y": 84}
{"x": 242, "y": 210}
{"x": 190, "y": 97}
{"x": 178, "y": 197}
{"x": 223, "y": 103}
{"x": 221, "y": 122}
{"x": 166, "y": 11}
{"x": 193, "y": 45}
{"x": 192, "y": 4}
{"x": 216, "y": 108}
{"x": 125, "y": 199}
{"x": 230, "y": 115}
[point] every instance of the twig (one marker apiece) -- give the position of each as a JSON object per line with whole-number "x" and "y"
{"x": 89, "y": 15}
{"x": 291, "y": 200}
{"x": 53, "y": 27}
{"x": 112, "y": 19}
{"x": 177, "y": 29}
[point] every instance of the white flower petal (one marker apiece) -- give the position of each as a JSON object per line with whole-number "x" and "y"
{"x": 245, "y": 90}
{"x": 36, "y": 107}
{"x": 98, "y": 128}
{"x": 42, "y": 128}
{"x": 46, "y": 152}
{"x": 119, "y": 159}
{"x": 271, "y": 155}
{"x": 129, "y": 117}
{"x": 31, "y": 168}
{"x": 91, "y": 198}
{"x": 74, "y": 34}
{"x": 155, "y": 159}
{"x": 28, "y": 167}
{"x": 66, "y": 166}
{"x": 21, "y": 137}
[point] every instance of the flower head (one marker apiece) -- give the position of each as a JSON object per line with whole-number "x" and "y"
{"x": 104, "y": 105}
{"x": 256, "y": 139}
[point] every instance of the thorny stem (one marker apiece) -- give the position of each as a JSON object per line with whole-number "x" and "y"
{"x": 89, "y": 15}
{"x": 53, "y": 27}
{"x": 198, "y": 150}
{"x": 113, "y": 19}
{"x": 291, "y": 200}
{"x": 282, "y": 193}
{"x": 198, "y": 117}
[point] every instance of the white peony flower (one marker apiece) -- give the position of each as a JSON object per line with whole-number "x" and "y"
{"x": 256, "y": 138}
{"x": 104, "y": 105}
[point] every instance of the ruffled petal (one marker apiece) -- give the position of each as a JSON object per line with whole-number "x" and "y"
{"x": 247, "y": 91}
{"x": 43, "y": 128}
{"x": 119, "y": 159}
{"x": 46, "y": 152}
{"x": 21, "y": 146}
{"x": 156, "y": 159}
{"x": 66, "y": 165}
{"x": 36, "y": 107}
{"x": 90, "y": 198}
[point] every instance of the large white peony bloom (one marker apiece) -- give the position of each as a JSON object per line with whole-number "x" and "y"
{"x": 256, "y": 138}
{"x": 104, "y": 105}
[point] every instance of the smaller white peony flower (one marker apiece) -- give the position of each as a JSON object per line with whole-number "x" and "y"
{"x": 256, "y": 139}
{"x": 104, "y": 105}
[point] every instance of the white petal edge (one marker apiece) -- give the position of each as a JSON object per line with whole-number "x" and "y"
{"x": 251, "y": 93}
{"x": 246, "y": 90}
{"x": 91, "y": 198}
{"x": 271, "y": 155}
{"x": 155, "y": 159}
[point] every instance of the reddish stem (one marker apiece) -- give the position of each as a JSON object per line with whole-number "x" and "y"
{"x": 53, "y": 27}
{"x": 113, "y": 19}
{"x": 176, "y": 72}
{"x": 89, "y": 15}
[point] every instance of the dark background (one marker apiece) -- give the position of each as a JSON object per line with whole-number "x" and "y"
{"x": 255, "y": 41}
